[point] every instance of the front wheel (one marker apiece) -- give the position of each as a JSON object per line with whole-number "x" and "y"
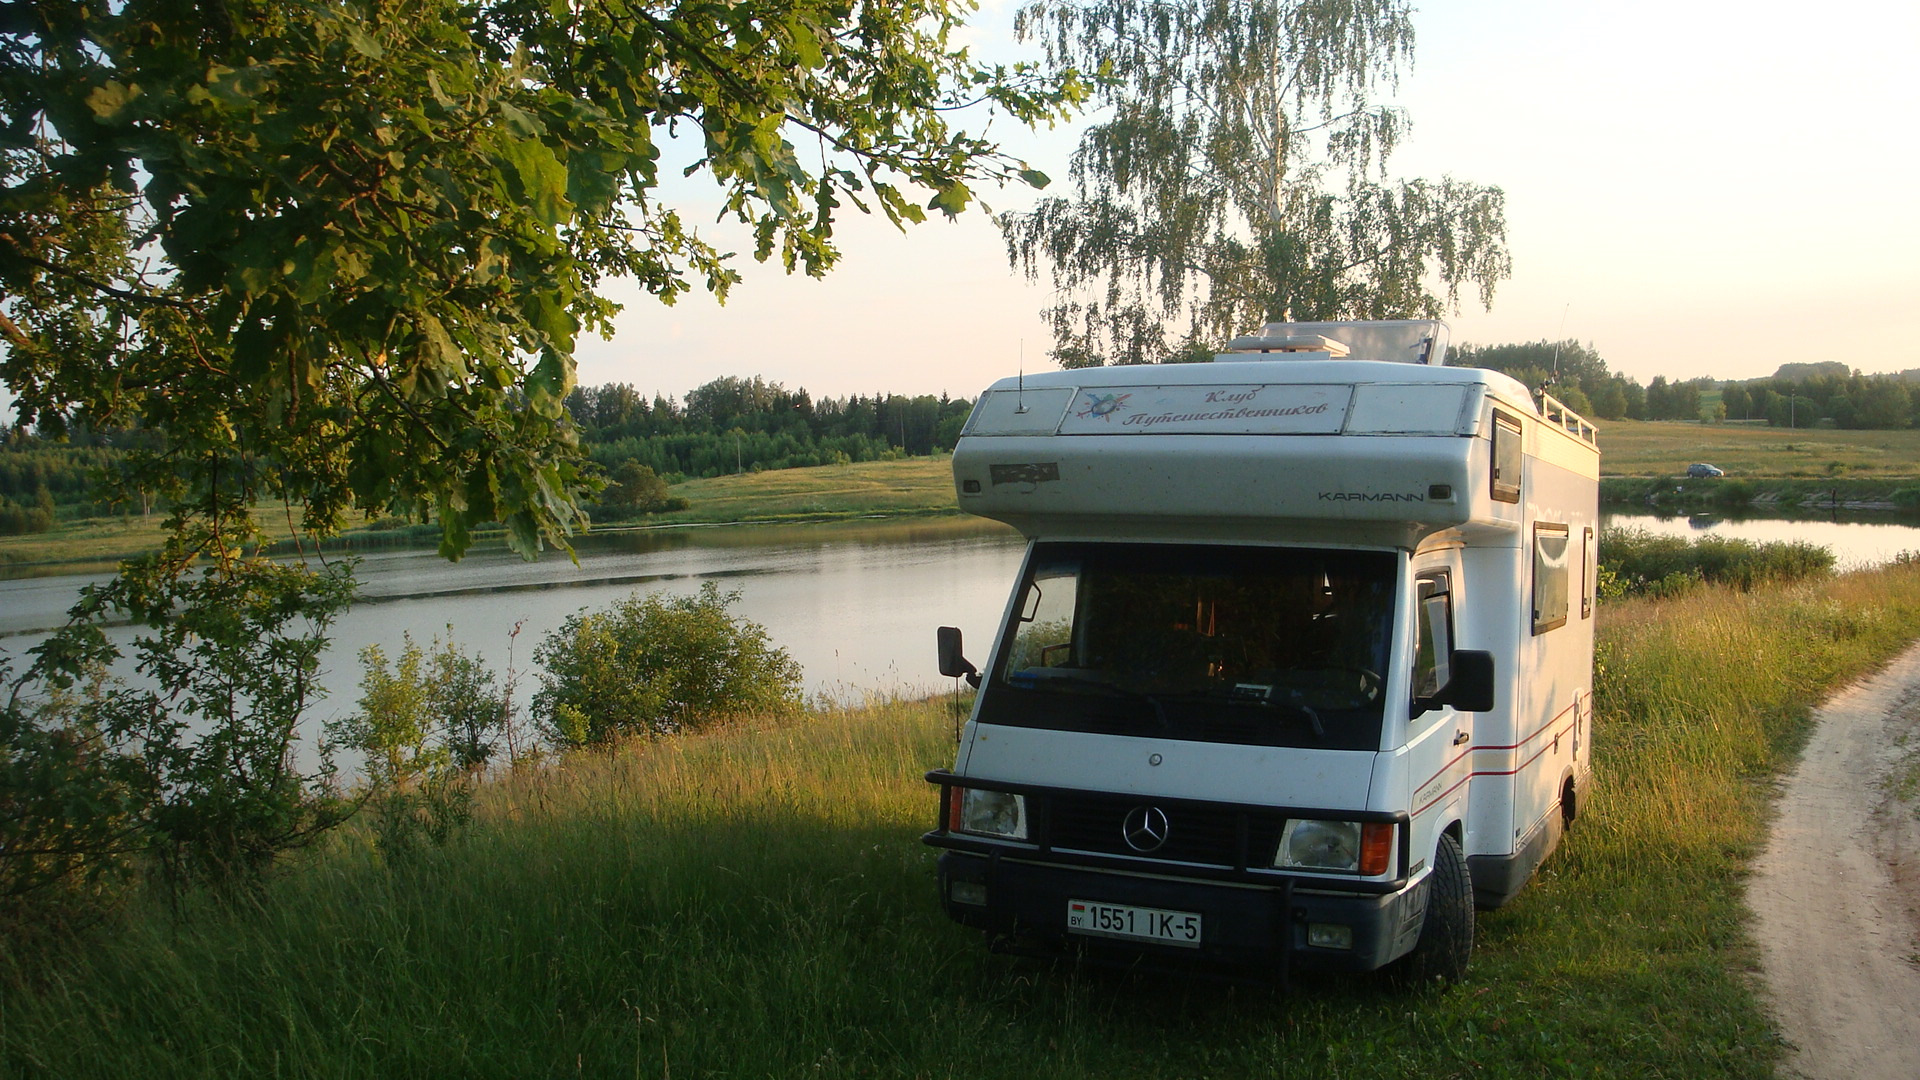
{"x": 1446, "y": 938}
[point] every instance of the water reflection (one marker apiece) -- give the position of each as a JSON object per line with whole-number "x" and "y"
{"x": 1857, "y": 542}
{"x": 854, "y": 602}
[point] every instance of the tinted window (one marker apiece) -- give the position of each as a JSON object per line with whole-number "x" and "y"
{"x": 1262, "y": 645}
{"x": 1434, "y": 625}
{"x": 1506, "y": 458}
{"x": 1549, "y": 577}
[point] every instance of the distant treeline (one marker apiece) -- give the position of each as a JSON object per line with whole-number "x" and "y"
{"x": 748, "y": 424}
{"x": 41, "y": 479}
{"x": 1798, "y": 395}
{"x": 728, "y": 425}
{"x": 736, "y": 424}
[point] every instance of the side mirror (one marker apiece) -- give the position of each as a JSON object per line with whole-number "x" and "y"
{"x": 953, "y": 662}
{"x": 1471, "y": 688}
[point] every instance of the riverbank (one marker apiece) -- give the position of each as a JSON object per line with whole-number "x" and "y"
{"x": 903, "y": 487}
{"x": 755, "y": 902}
{"x": 1780, "y": 496}
{"x": 1769, "y": 470}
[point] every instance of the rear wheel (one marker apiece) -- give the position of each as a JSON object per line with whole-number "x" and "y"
{"x": 1446, "y": 938}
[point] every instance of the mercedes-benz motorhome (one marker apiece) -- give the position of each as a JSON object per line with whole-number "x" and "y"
{"x": 1298, "y": 669}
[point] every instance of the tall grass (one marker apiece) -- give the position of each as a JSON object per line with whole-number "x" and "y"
{"x": 754, "y": 903}
{"x": 1637, "y": 561}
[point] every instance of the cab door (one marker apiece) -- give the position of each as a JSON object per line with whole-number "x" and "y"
{"x": 1439, "y": 738}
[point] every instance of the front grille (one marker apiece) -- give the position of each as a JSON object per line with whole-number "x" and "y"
{"x": 1196, "y": 833}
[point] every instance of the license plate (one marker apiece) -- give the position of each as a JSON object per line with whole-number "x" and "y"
{"x": 1134, "y": 923}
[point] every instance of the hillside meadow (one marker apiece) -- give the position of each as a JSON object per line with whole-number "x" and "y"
{"x": 1749, "y": 450}
{"x": 754, "y": 902}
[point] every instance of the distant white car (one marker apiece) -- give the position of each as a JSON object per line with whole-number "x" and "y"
{"x": 1703, "y": 469}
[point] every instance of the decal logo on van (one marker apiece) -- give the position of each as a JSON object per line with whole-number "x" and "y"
{"x": 1371, "y": 496}
{"x": 1102, "y": 406}
{"x": 1225, "y": 414}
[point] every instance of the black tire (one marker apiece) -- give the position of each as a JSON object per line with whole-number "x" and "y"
{"x": 1446, "y": 937}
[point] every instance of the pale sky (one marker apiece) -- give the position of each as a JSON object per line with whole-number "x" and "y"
{"x": 1694, "y": 188}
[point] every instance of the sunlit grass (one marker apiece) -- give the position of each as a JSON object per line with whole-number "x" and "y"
{"x": 755, "y": 903}
{"x": 909, "y": 485}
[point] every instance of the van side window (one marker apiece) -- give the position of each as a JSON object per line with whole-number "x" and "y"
{"x": 1589, "y": 567}
{"x": 1549, "y": 577}
{"x": 1506, "y": 458}
{"x": 1433, "y": 648}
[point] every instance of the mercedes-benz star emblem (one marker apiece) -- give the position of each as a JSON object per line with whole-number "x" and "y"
{"x": 1145, "y": 829}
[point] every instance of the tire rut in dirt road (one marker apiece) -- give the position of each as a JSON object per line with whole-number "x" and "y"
{"x": 1836, "y": 896}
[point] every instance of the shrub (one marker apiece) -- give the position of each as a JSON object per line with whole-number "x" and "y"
{"x": 69, "y": 807}
{"x": 658, "y": 665}
{"x": 1638, "y": 562}
{"x": 425, "y": 726}
{"x": 636, "y": 489}
{"x": 193, "y": 771}
{"x": 1733, "y": 493}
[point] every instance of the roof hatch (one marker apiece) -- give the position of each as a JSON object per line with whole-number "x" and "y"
{"x": 1401, "y": 341}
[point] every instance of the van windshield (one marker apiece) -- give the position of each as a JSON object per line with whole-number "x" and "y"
{"x": 1270, "y": 646}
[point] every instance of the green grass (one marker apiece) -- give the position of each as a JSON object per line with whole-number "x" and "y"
{"x": 755, "y": 903}
{"x": 909, "y": 485}
{"x": 827, "y": 492}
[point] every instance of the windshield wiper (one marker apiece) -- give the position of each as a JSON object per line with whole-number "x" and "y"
{"x": 1031, "y": 679}
{"x": 1262, "y": 696}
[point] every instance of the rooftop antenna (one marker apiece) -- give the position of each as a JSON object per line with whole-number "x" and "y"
{"x": 1021, "y": 399}
{"x": 1557, "y": 340}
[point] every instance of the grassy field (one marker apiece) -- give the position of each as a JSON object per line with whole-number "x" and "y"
{"x": 101, "y": 543}
{"x": 754, "y": 903}
{"x": 910, "y": 485}
{"x": 1666, "y": 448}
{"x": 907, "y": 486}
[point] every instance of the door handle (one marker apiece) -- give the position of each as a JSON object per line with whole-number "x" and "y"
{"x": 1460, "y": 737}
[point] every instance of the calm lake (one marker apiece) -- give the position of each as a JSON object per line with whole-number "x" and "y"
{"x": 855, "y": 603}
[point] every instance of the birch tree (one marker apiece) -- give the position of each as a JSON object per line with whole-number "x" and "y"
{"x": 1238, "y": 175}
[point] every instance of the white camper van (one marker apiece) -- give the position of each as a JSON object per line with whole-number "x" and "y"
{"x": 1298, "y": 670}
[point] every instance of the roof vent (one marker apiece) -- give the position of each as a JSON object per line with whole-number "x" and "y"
{"x": 1325, "y": 346}
{"x": 1403, "y": 341}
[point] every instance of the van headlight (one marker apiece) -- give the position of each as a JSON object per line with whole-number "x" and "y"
{"x": 992, "y": 813}
{"x": 1347, "y": 847}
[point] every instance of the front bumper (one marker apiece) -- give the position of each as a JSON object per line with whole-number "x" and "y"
{"x": 1250, "y": 930}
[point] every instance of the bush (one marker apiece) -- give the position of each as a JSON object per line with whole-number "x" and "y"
{"x": 426, "y": 727}
{"x": 1637, "y": 562}
{"x": 69, "y": 807}
{"x": 636, "y": 489}
{"x": 192, "y": 772}
{"x": 659, "y": 665}
{"x": 1733, "y": 493}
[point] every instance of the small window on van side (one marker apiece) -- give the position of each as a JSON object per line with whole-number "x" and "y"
{"x": 1433, "y": 649}
{"x": 1589, "y": 570}
{"x": 1549, "y": 577}
{"x": 1506, "y": 458}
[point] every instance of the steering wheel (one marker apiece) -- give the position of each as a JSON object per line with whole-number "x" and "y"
{"x": 1320, "y": 682}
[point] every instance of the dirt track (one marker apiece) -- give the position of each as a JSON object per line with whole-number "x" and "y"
{"x": 1836, "y": 896}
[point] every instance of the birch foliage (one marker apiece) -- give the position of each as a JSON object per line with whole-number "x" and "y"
{"x": 1238, "y": 175}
